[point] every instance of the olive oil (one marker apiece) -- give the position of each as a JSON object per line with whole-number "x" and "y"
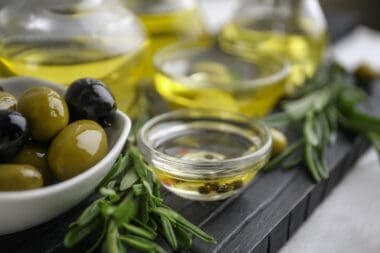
{"x": 202, "y": 189}
{"x": 207, "y": 142}
{"x": 167, "y": 28}
{"x": 64, "y": 62}
{"x": 169, "y": 21}
{"x": 211, "y": 79}
{"x": 248, "y": 37}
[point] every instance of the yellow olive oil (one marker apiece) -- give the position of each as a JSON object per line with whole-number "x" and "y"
{"x": 167, "y": 28}
{"x": 65, "y": 62}
{"x": 303, "y": 49}
{"x": 169, "y": 21}
{"x": 221, "y": 81}
{"x": 203, "y": 189}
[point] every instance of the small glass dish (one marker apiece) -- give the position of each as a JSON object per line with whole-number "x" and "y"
{"x": 204, "y": 155}
{"x": 200, "y": 75}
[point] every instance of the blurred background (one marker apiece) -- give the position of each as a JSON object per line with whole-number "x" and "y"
{"x": 364, "y": 11}
{"x": 282, "y": 31}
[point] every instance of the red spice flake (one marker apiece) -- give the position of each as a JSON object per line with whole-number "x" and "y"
{"x": 184, "y": 151}
{"x": 167, "y": 181}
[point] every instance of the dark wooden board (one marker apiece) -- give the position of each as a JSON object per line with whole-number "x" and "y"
{"x": 260, "y": 220}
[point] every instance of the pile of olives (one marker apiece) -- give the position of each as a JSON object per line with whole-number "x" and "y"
{"x": 45, "y": 137}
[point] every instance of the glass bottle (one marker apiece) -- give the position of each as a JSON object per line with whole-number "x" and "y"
{"x": 291, "y": 29}
{"x": 168, "y": 21}
{"x": 61, "y": 41}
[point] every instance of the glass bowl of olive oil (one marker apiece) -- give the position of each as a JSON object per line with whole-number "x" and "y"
{"x": 202, "y": 76}
{"x": 204, "y": 155}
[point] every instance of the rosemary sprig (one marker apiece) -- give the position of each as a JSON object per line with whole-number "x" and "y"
{"x": 330, "y": 99}
{"x": 130, "y": 211}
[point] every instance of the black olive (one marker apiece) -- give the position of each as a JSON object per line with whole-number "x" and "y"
{"x": 13, "y": 128}
{"x": 89, "y": 98}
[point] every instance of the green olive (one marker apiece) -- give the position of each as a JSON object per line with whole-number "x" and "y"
{"x": 279, "y": 142}
{"x": 77, "y": 148}
{"x": 18, "y": 177}
{"x": 7, "y": 101}
{"x": 45, "y": 110}
{"x": 35, "y": 154}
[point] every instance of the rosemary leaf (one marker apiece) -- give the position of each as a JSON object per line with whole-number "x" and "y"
{"x": 142, "y": 244}
{"x": 79, "y": 233}
{"x": 89, "y": 214}
{"x": 311, "y": 137}
{"x": 112, "y": 243}
{"x": 128, "y": 180}
{"x": 375, "y": 140}
{"x": 140, "y": 231}
{"x": 312, "y": 163}
{"x": 121, "y": 164}
{"x": 126, "y": 210}
{"x": 168, "y": 232}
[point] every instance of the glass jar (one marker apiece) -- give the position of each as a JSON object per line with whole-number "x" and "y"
{"x": 62, "y": 41}
{"x": 292, "y": 29}
{"x": 168, "y": 21}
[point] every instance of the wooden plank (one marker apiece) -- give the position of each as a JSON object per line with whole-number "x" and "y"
{"x": 279, "y": 235}
{"x": 297, "y": 216}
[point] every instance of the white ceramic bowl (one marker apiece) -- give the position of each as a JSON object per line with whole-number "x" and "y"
{"x": 25, "y": 209}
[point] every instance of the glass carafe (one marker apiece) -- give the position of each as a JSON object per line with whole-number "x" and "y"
{"x": 168, "y": 21}
{"x": 292, "y": 29}
{"x": 61, "y": 41}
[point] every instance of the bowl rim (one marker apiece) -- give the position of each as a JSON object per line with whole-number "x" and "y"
{"x": 189, "y": 47}
{"x": 190, "y": 168}
{"x": 63, "y": 185}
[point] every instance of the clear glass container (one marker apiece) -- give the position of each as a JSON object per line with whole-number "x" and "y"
{"x": 169, "y": 21}
{"x": 293, "y": 29}
{"x": 61, "y": 41}
{"x": 204, "y": 155}
{"x": 200, "y": 75}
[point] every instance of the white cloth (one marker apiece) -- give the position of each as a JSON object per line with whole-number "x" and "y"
{"x": 349, "y": 219}
{"x": 361, "y": 46}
